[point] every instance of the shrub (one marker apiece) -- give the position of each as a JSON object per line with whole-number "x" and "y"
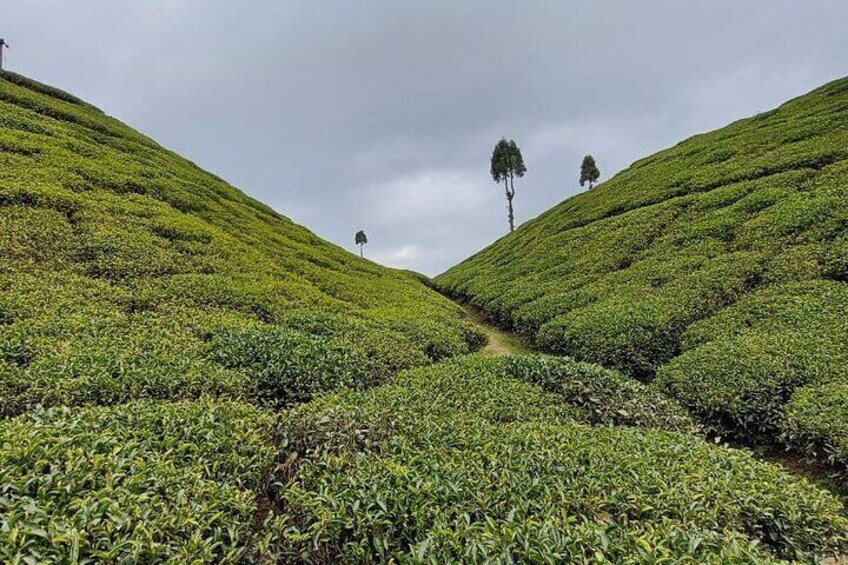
{"x": 605, "y": 397}
{"x": 816, "y": 422}
{"x": 631, "y": 337}
{"x": 112, "y": 376}
{"x": 739, "y": 386}
{"x": 743, "y": 365}
{"x": 455, "y": 462}
{"x": 287, "y": 367}
{"x": 141, "y": 483}
{"x": 459, "y": 463}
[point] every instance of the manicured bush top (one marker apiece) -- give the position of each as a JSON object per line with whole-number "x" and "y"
{"x": 140, "y": 483}
{"x": 462, "y": 463}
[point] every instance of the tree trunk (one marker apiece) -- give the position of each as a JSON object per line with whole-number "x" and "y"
{"x": 509, "y": 195}
{"x": 361, "y": 250}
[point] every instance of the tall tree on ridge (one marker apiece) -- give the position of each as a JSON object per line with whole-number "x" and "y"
{"x": 507, "y": 163}
{"x": 361, "y": 239}
{"x": 589, "y": 171}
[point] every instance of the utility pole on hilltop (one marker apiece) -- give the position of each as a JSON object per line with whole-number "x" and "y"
{"x": 2, "y": 45}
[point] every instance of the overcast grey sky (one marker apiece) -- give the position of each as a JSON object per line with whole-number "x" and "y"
{"x": 381, "y": 115}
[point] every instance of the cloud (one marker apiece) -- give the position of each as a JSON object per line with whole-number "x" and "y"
{"x": 403, "y": 257}
{"x": 431, "y": 195}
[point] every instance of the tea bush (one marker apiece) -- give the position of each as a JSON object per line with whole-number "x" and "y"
{"x": 816, "y": 422}
{"x": 658, "y": 270}
{"x": 124, "y": 267}
{"x": 462, "y": 463}
{"x": 145, "y": 482}
{"x": 288, "y": 367}
{"x": 604, "y": 397}
{"x": 743, "y": 365}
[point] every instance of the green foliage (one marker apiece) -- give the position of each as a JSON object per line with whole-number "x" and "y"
{"x": 744, "y": 364}
{"x": 146, "y": 482}
{"x": 690, "y": 263}
{"x": 461, "y": 463}
{"x": 361, "y": 239}
{"x": 816, "y": 422}
{"x": 288, "y": 366}
{"x": 507, "y": 161}
{"x": 21, "y": 80}
{"x": 506, "y": 164}
{"x": 589, "y": 171}
{"x": 123, "y": 267}
{"x": 604, "y": 397}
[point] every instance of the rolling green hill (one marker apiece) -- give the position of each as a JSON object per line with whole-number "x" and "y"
{"x": 717, "y": 268}
{"x": 127, "y": 273}
{"x": 188, "y": 377}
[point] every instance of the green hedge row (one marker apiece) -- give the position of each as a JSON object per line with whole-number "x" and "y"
{"x": 744, "y": 365}
{"x": 146, "y": 482}
{"x": 816, "y": 422}
{"x": 462, "y": 463}
{"x": 604, "y": 397}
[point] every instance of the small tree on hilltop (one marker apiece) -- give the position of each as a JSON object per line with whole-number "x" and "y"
{"x": 507, "y": 163}
{"x": 589, "y": 172}
{"x": 361, "y": 239}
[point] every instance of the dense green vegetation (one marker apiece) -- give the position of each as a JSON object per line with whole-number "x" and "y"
{"x": 187, "y": 376}
{"x": 127, "y": 273}
{"x": 603, "y": 396}
{"x": 462, "y": 461}
{"x": 137, "y": 483}
{"x": 718, "y": 267}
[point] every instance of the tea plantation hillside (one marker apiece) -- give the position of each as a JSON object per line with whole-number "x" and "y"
{"x": 472, "y": 460}
{"x": 717, "y": 268}
{"x": 188, "y": 377}
{"x": 129, "y": 273}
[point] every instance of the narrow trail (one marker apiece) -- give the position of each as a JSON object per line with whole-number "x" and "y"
{"x": 500, "y": 342}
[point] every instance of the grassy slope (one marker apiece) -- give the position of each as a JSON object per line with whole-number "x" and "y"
{"x": 127, "y": 272}
{"x": 718, "y": 266}
{"x": 153, "y": 317}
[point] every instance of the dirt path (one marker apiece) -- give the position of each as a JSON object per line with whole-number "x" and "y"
{"x": 500, "y": 342}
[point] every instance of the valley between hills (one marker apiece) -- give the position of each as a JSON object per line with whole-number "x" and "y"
{"x": 188, "y": 376}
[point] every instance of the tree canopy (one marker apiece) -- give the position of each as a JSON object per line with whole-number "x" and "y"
{"x": 589, "y": 171}
{"x": 507, "y": 161}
